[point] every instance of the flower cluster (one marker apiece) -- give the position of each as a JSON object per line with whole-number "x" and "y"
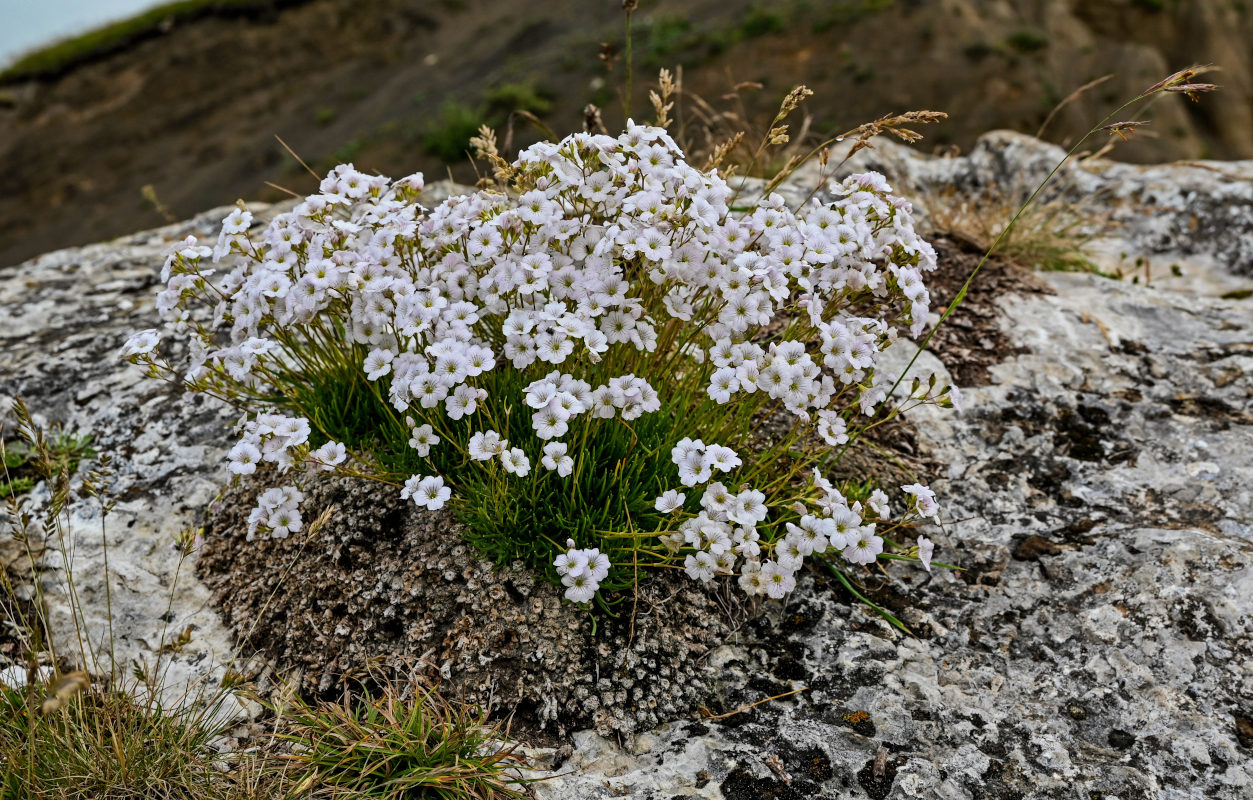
{"x": 428, "y": 492}
{"x": 283, "y": 441}
{"x": 278, "y": 510}
{"x": 725, "y": 531}
{"x": 600, "y": 312}
{"x": 581, "y": 571}
{"x": 697, "y": 461}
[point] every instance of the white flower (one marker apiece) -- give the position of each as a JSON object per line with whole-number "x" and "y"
{"x": 778, "y": 580}
{"x": 844, "y": 526}
{"x": 597, "y": 564}
{"x": 722, "y": 384}
{"x": 686, "y": 447}
{"x": 328, "y": 456}
{"x": 549, "y": 424}
{"x": 462, "y": 402}
{"x": 924, "y": 499}
{"x": 485, "y": 445}
{"x": 721, "y": 458}
{"x": 140, "y": 344}
{"x": 283, "y": 521}
{"x": 878, "y": 503}
{"x": 670, "y": 502}
{"x": 700, "y": 567}
{"x": 749, "y": 508}
{"x": 716, "y": 499}
{"x": 411, "y": 487}
{"x": 422, "y": 439}
{"x": 540, "y": 393}
{"x": 832, "y": 428}
{"x": 279, "y": 497}
{"x": 428, "y": 390}
{"x": 555, "y": 458}
{"x": 714, "y": 536}
{"x": 258, "y": 518}
{"x": 926, "y": 548}
{"x": 751, "y": 580}
{"x": 694, "y": 470}
{"x": 378, "y": 363}
{"x": 571, "y": 562}
{"x": 746, "y": 542}
{"x": 864, "y": 546}
{"x": 789, "y": 555}
{"x": 515, "y": 462}
{"x": 294, "y": 429}
{"x": 237, "y": 221}
{"x": 579, "y": 588}
{"x": 429, "y": 492}
{"x": 244, "y": 457}
{"x": 809, "y": 536}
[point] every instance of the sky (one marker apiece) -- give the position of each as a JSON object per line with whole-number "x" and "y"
{"x": 27, "y": 24}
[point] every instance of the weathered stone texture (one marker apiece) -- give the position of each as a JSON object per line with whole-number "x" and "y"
{"x": 1097, "y": 495}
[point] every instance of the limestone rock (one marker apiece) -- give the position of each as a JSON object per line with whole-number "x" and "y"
{"x": 1096, "y": 491}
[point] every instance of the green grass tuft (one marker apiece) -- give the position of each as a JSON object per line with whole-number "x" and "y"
{"x": 402, "y": 742}
{"x": 99, "y": 744}
{"x": 510, "y": 97}
{"x": 1027, "y": 41}
{"x": 449, "y": 137}
{"x": 504, "y": 523}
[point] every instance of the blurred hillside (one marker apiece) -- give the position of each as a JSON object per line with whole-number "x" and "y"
{"x": 190, "y": 106}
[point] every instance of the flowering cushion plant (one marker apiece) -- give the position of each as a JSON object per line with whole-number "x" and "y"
{"x": 589, "y": 366}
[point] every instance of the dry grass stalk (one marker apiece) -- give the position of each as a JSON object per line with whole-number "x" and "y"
{"x": 662, "y": 98}
{"x": 592, "y": 122}
{"x": 1067, "y": 100}
{"x": 896, "y": 124}
{"x": 722, "y": 150}
{"x": 484, "y": 147}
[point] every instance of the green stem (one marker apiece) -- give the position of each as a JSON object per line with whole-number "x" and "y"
{"x": 630, "y": 67}
{"x": 878, "y": 609}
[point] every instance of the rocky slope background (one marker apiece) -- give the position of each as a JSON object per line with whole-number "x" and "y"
{"x": 189, "y": 106}
{"x": 1098, "y": 639}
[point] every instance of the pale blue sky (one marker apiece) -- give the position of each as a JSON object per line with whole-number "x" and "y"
{"x": 26, "y": 24}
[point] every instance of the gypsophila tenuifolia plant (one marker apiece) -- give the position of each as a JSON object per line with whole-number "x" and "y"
{"x": 602, "y": 368}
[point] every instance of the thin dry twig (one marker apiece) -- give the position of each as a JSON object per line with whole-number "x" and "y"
{"x": 299, "y": 160}
{"x": 742, "y": 709}
{"x": 285, "y": 190}
{"x": 1039, "y": 134}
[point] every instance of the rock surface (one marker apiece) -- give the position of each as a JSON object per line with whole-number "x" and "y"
{"x": 65, "y": 317}
{"x": 1097, "y": 494}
